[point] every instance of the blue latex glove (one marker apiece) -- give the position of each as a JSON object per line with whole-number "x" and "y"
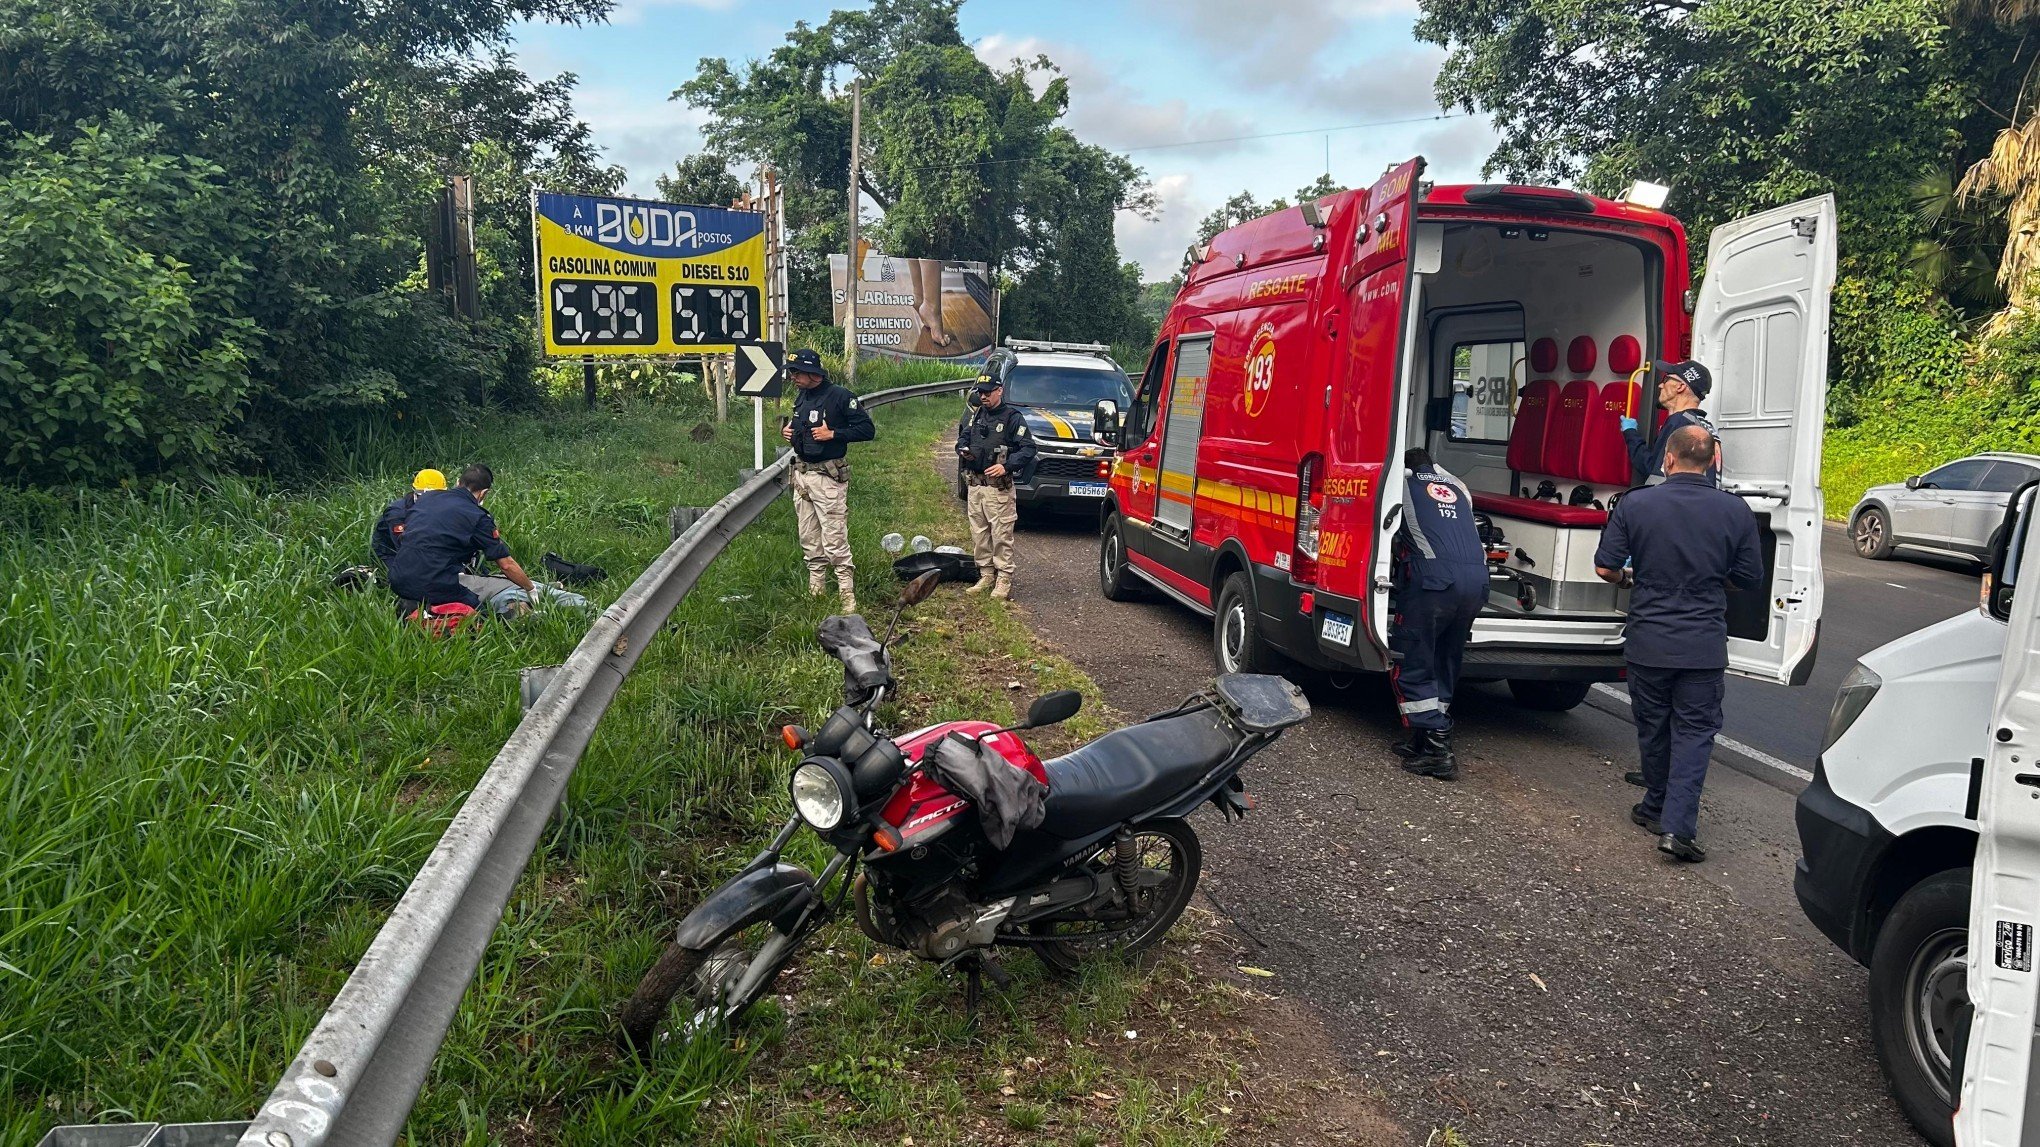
{"x": 1629, "y": 424}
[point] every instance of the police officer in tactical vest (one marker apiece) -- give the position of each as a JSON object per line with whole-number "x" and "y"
{"x": 1681, "y": 387}
{"x": 826, "y": 419}
{"x": 1441, "y": 584}
{"x": 995, "y": 450}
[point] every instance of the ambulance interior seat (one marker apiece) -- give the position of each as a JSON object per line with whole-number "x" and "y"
{"x": 1566, "y": 436}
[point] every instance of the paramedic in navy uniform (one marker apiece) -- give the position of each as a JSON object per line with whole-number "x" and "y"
{"x": 1441, "y": 584}
{"x": 1681, "y": 387}
{"x": 1688, "y": 542}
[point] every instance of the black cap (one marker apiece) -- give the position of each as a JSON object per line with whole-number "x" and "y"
{"x": 987, "y": 383}
{"x": 1695, "y": 376}
{"x": 805, "y": 361}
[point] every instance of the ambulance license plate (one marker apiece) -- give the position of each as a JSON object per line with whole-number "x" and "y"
{"x": 1087, "y": 489}
{"x": 1337, "y": 628}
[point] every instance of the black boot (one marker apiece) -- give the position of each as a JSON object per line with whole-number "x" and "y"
{"x": 1416, "y": 746}
{"x": 1436, "y": 760}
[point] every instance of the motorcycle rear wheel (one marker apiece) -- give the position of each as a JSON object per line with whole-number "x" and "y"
{"x": 687, "y": 990}
{"x": 1170, "y": 859}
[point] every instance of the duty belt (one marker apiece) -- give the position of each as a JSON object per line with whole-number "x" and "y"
{"x": 835, "y": 469}
{"x": 1002, "y": 482}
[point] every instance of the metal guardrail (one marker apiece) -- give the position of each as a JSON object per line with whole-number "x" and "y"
{"x": 354, "y": 1081}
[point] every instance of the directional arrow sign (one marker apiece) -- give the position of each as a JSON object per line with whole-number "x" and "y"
{"x": 758, "y": 369}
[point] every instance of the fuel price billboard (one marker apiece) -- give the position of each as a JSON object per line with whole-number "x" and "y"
{"x": 634, "y": 277}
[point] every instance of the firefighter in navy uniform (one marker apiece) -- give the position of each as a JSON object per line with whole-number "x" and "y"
{"x": 389, "y": 528}
{"x": 826, "y": 419}
{"x": 1442, "y": 580}
{"x": 996, "y": 450}
{"x": 442, "y": 533}
{"x": 1681, "y": 387}
{"x": 1689, "y": 542}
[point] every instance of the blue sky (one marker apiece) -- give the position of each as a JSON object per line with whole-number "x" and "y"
{"x": 1150, "y": 78}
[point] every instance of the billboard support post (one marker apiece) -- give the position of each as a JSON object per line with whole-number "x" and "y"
{"x": 850, "y": 320}
{"x": 588, "y": 380}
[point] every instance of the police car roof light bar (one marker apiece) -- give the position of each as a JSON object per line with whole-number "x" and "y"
{"x": 1045, "y": 345}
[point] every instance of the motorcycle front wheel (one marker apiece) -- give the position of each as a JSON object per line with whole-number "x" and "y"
{"x": 690, "y": 990}
{"x": 1168, "y": 860}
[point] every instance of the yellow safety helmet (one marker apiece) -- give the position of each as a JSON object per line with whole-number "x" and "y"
{"x": 429, "y": 479}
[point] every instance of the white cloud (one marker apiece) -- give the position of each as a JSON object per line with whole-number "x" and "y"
{"x": 646, "y": 137}
{"x": 1456, "y": 150}
{"x": 1291, "y": 46}
{"x": 1157, "y": 244}
{"x": 1103, "y": 109}
{"x": 634, "y": 11}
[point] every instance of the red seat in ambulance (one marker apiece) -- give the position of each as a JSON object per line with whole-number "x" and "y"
{"x": 1571, "y": 433}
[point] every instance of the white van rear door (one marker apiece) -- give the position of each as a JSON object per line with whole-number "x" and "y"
{"x": 1761, "y": 326}
{"x": 2004, "y": 900}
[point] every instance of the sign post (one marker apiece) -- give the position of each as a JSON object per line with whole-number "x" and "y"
{"x": 758, "y": 378}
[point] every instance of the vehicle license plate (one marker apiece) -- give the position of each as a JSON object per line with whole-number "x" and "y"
{"x": 1337, "y": 629}
{"x": 1087, "y": 489}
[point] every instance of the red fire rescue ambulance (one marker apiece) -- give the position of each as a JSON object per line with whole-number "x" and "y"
{"x": 1501, "y": 327}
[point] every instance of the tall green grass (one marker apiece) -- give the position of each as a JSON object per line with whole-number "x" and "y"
{"x": 218, "y": 774}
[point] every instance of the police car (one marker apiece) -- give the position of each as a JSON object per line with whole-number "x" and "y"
{"x": 1056, "y": 386}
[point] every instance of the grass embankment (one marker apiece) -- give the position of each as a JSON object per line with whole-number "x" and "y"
{"x": 219, "y": 774}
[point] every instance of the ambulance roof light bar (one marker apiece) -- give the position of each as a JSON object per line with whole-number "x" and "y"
{"x": 1045, "y": 345}
{"x": 1644, "y": 193}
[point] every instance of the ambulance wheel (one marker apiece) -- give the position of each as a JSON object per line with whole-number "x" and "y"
{"x": 1115, "y": 581}
{"x": 1872, "y": 534}
{"x": 1236, "y": 630}
{"x": 1549, "y": 696}
{"x": 1919, "y": 990}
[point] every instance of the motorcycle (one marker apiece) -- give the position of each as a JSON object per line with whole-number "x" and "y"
{"x": 956, "y": 840}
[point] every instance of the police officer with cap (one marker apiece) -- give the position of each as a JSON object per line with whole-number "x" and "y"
{"x": 826, "y": 419}
{"x": 389, "y": 528}
{"x": 994, "y": 449}
{"x": 1689, "y": 542}
{"x": 1682, "y": 386}
{"x": 1441, "y": 584}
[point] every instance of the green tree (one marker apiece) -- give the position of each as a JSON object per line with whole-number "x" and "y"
{"x": 963, "y": 161}
{"x": 329, "y": 129}
{"x": 702, "y": 178}
{"x": 118, "y": 349}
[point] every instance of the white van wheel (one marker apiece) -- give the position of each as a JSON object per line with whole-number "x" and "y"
{"x": 1918, "y": 991}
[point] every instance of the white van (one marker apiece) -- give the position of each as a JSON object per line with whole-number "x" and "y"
{"x": 1887, "y": 835}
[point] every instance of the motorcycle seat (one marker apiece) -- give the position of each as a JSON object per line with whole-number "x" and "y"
{"x": 1128, "y": 772}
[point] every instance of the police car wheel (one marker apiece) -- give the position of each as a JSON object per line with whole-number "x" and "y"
{"x": 1114, "y": 580}
{"x": 1236, "y": 630}
{"x": 1919, "y": 991}
{"x": 962, "y": 488}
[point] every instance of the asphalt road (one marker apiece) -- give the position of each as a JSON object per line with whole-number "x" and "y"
{"x": 1868, "y": 603}
{"x": 1507, "y": 954}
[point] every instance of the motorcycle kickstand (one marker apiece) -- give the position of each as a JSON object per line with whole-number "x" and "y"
{"x": 975, "y": 969}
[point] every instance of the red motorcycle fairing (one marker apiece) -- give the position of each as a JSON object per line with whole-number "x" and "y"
{"x": 924, "y": 807}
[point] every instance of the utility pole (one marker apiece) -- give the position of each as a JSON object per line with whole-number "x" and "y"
{"x": 850, "y": 259}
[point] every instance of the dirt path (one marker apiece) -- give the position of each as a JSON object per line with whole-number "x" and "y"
{"x": 1508, "y": 955}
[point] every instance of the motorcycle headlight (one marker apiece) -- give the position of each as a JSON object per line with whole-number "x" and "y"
{"x": 821, "y": 793}
{"x": 1850, "y": 701}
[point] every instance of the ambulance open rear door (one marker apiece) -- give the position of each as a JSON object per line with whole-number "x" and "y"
{"x": 1761, "y": 326}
